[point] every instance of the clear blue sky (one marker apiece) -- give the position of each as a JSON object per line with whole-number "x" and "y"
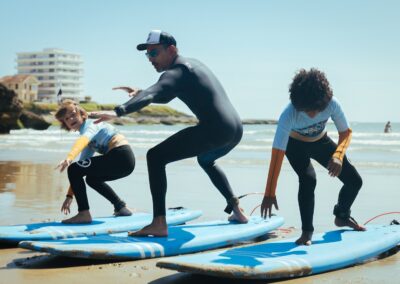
{"x": 254, "y": 47}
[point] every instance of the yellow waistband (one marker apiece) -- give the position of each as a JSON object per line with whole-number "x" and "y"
{"x": 300, "y": 137}
{"x": 116, "y": 141}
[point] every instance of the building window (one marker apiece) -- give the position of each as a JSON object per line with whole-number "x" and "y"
{"x": 16, "y": 86}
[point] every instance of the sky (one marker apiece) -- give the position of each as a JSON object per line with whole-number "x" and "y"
{"x": 255, "y": 47}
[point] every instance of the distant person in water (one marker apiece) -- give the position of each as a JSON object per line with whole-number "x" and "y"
{"x": 388, "y": 127}
{"x": 301, "y": 136}
{"x": 117, "y": 161}
{"x": 219, "y": 129}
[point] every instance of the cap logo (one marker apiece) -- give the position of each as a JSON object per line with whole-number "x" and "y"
{"x": 154, "y": 37}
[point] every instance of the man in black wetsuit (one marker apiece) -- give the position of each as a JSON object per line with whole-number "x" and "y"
{"x": 219, "y": 129}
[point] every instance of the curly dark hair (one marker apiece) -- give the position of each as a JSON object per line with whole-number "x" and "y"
{"x": 310, "y": 90}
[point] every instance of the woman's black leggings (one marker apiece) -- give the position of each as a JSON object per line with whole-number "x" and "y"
{"x": 117, "y": 163}
{"x": 190, "y": 142}
{"x": 299, "y": 154}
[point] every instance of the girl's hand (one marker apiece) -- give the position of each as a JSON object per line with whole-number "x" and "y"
{"x": 63, "y": 165}
{"x": 65, "y": 208}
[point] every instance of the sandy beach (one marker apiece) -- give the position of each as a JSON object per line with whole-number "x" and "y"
{"x": 32, "y": 191}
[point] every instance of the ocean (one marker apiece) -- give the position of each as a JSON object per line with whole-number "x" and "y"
{"x": 32, "y": 190}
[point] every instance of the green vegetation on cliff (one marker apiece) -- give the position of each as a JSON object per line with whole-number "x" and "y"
{"x": 153, "y": 110}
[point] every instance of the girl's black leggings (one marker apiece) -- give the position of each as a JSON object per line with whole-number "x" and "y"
{"x": 299, "y": 154}
{"x": 115, "y": 164}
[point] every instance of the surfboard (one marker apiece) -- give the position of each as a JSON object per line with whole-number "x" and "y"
{"x": 181, "y": 240}
{"x": 99, "y": 226}
{"x": 284, "y": 259}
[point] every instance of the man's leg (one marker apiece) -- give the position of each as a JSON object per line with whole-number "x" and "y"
{"x": 187, "y": 143}
{"x": 220, "y": 181}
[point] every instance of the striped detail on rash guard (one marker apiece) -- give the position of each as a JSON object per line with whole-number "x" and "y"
{"x": 343, "y": 144}
{"x": 274, "y": 170}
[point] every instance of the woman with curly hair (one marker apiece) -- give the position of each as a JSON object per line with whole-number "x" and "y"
{"x": 301, "y": 136}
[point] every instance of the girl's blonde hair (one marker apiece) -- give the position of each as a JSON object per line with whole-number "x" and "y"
{"x": 69, "y": 105}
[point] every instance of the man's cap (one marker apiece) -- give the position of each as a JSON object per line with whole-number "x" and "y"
{"x": 157, "y": 37}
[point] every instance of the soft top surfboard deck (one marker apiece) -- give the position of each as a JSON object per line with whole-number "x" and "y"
{"x": 284, "y": 259}
{"x": 99, "y": 226}
{"x": 181, "y": 240}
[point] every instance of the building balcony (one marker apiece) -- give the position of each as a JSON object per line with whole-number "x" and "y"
{"x": 56, "y": 66}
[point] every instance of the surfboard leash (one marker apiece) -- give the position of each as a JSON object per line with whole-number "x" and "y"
{"x": 394, "y": 222}
{"x": 252, "y": 193}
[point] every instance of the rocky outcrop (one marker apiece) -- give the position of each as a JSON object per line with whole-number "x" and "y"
{"x": 259, "y": 121}
{"x": 31, "y": 120}
{"x": 10, "y": 110}
{"x": 12, "y": 115}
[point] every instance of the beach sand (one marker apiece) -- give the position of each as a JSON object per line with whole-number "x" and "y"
{"x": 32, "y": 192}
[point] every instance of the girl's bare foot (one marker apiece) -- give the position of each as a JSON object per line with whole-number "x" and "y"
{"x": 349, "y": 222}
{"x": 238, "y": 215}
{"x": 305, "y": 239}
{"x": 82, "y": 217}
{"x": 157, "y": 228}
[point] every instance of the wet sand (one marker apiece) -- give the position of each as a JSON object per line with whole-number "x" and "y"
{"x": 33, "y": 192}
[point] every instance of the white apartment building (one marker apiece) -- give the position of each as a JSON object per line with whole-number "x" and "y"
{"x": 55, "y": 69}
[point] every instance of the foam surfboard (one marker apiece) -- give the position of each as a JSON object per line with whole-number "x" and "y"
{"x": 284, "y": 259}
{"x": 181, "y": 239}
{"x": 99, "y": 226}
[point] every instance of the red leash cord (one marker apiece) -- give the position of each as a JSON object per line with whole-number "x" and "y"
{"x": 380, "y": 215}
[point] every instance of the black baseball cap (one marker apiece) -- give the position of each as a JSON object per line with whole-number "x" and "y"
{"x": 157, "y": 37}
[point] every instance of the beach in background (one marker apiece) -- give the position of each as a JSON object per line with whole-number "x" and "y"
{"x": 32, "y": 191}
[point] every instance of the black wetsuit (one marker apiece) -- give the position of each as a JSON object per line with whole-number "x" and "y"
{"x": 219, "y": 129}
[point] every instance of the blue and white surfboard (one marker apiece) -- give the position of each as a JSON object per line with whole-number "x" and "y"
{"x": 99, "y": 226}
{"x": 284, "y": 259}
{"x": 181, "y": 240}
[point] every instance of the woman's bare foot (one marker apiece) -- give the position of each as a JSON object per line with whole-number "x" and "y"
{"x": 349, "y": 222}
{"x": 157, "y": 228}
{"x": 238, "y": 215}
{"x": 305, "y": 239}
{"x": 82, "y": 217}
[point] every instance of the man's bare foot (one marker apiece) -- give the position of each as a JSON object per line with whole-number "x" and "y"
{"x": 238, "y": 215}
{"x": 305, "y": 239}
{"x": 82, "y": 217}
{"x": 157, "y": 228}
{"x": 349, "y": 222}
